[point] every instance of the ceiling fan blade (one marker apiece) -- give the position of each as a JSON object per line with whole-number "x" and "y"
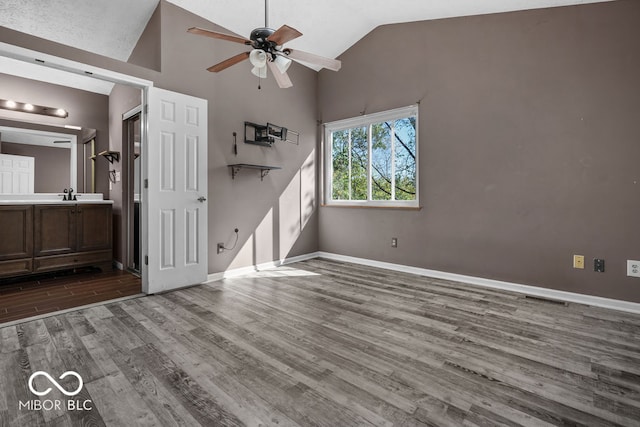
{"x": 284, "y": 34}
{"x": 215, "y": 35}
{"x": 282, "y": 79}
{"x": 313, "y": 59}
{"x": 228, "y": 62}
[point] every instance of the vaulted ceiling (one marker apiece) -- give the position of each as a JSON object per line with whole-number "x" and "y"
{"x": 113, "y": 27}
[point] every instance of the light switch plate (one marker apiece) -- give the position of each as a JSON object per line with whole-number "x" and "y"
{"x": 633, "y": 268}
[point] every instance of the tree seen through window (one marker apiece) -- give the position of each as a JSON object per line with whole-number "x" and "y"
{"x": 375, "y": 162}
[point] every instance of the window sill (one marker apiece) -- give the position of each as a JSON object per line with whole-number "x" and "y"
{"x": 401, "y": 208}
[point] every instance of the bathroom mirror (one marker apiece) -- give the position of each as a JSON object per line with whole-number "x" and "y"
{"x": 63, "y": 157}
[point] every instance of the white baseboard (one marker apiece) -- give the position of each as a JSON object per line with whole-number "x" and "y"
{"x": 260, "y": 267}
{"x": 553, "y": 294}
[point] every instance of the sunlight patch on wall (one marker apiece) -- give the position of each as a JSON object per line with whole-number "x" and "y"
{"x": 264, "y": 235}
{"x": 283, "y": 223}
{"x": 297, "y": 204}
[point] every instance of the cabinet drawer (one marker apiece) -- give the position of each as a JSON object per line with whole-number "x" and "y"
{"x": 57, "y": 262}
{"x": 16, "y": 267}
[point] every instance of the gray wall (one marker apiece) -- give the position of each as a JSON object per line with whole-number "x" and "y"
{"x": 122, "y": 99}
{"x": 529, "y": 145}
{"x": 85, "y": 109}
{"x": 148, "y": 51}
{"x": 528, "y": 142}
{"x": 276, "y": 217}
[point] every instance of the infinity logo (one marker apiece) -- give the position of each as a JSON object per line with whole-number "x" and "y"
{"x": 55, "y": 383}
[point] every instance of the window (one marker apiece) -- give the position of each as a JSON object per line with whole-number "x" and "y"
{"x": 372, "y": 160}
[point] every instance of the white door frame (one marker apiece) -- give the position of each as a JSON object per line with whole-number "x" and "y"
{"x": 73, "y": 67}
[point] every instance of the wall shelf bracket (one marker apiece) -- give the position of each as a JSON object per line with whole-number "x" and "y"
{"x": 111, "y": 156}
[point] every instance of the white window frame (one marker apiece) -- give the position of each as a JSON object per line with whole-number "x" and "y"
{"x": 362, "y": 121}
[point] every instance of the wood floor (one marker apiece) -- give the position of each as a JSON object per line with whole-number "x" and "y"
{"x": 321, "y": 343}
{"x": 29, "y": 297}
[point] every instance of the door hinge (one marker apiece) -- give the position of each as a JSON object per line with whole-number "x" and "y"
{"x": 146, "y": 108}
{"x": 146, "y": 183}
{"x": 146, "y": 260}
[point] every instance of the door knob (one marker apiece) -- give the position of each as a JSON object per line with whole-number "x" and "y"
{"x": 202, "y": 199}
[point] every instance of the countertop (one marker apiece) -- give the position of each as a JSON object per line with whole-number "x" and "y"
{"x": 52, "y": 199}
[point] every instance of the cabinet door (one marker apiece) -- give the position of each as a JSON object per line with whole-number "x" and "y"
{"x": 94, "y": 227}
{"x": 55, "y": 229}
{"x": 16, "y": 232}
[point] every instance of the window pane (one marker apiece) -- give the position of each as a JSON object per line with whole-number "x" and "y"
{"x": 340, "y": 155}
{"x": 381, "y": 161}
{"x": 405, "y": 149}
{"x": 359, "y": 163}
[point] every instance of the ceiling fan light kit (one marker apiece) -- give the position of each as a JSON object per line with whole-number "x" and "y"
{"x": 268, "y": 50}
{"x": 258, "y": 58}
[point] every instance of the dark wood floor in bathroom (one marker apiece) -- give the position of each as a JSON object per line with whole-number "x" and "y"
{"x": 29, "y": 297}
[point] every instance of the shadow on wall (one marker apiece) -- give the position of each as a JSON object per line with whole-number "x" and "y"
{"x": 284, "y": 222}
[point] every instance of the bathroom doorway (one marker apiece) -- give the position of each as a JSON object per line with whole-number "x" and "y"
{"x": 132, "y": 127}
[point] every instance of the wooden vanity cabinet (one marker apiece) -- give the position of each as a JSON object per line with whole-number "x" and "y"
{"x": 62, "y": 236}
{"x": 16, "y": 240}
{"x": 93, "y": 228}
{"x": 55, "y": 230}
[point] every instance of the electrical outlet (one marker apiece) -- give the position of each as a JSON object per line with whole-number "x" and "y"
{"x": 220, "y": 248}
{"x": 578, "y": 261}
{"x": 633, "y": 268}
{"x": 598, "y": 265}
{"x": 394, "y": 242}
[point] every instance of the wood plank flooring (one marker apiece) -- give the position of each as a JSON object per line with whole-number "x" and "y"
{"x": 322, "y": 343}
{"x": 29, "y": 297}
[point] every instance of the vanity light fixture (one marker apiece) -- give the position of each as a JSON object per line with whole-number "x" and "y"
{"x": 25, "y": 107}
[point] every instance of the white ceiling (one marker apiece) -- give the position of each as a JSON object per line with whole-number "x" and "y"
{"x": 113, "y": 27}
{"x": 106, "y": 27}
{"x": 330, "y": 27}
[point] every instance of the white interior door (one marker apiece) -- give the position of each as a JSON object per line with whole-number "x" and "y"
{"x": 176, "y": 192}
{"x": 17, "y": 174}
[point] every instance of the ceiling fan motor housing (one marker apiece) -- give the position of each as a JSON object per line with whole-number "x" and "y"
{"x": 259, "y": 38}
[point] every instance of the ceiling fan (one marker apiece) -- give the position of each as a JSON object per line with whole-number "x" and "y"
{"x": 268, "y": 51}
